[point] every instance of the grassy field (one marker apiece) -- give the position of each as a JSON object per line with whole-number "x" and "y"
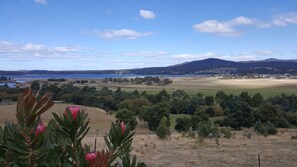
{"x": 177, "y": 151}
{"x": 210, "y": 85}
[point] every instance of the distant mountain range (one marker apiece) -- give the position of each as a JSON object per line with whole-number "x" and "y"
{"x": 209, "y": 66}
{"x": 219, "y": 66}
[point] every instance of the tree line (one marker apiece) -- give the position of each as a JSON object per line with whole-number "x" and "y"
{"x": 237, "y": 111}
{"x": 149, "y": 80}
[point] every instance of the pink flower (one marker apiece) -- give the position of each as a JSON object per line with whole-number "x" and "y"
{"x": 123, "y": 128}
{"x": 40, "y": 129}
{"x": 91, "y": 156}
{"x": 74, "y": 110}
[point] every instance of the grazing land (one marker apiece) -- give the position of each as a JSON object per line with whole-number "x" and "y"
{"x": 209, "y": 86}
{"x": 178, "y": 150}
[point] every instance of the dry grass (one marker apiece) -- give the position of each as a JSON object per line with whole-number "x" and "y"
{"x": 100, "y": 121}
{"x": 275, "y": 151}
{"x": 210, "y": 85}
{"x": 177, "y": 151}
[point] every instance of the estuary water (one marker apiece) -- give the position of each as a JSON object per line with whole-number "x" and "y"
{"x": 84, "y": 76}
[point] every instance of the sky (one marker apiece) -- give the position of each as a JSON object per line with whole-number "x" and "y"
{"x": 125, "y": 34}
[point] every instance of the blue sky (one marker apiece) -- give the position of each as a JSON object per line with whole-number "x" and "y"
{"x": 121, "y": 34}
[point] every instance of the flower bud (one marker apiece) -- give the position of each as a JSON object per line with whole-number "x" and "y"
{"x": 40, "y": 129}
{"x": 74, "y": 110}
{"x": 91, "y": 156}
{"x": 123, "y": 127}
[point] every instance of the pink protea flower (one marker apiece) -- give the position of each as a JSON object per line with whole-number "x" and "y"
{"x": 91, "y": 156}
{"x": 74, "y": 110}
{"x": 123, "y": 127}
{"x": 40, "y": 129}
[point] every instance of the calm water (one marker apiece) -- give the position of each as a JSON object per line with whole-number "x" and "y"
{"x": 79, "y": 76}
{"x": 10, "y": 84}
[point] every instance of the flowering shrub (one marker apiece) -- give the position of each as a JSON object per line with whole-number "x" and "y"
{"x": 30, "y": 143}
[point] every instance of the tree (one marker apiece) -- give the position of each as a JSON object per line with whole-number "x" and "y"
{"x": 209, "y": 100}
{"x": 257, "y": 100}
{"x": 267, "y": 113}
{"x": 128, "y": 117}
{"x": 35, "y": 86}
{"x": 244, "y": 97}
{"x": 198, "y": 116}
{"x": 135, "y": 104}
{"x": 194, "y": 103}
{"x": 183, "y": 124}
{"x": 155, "y": 113}
{"x": 220, "y": 96}
{"x": 180, "y": 94}
{"x": 207, "y": 129}
{"x": 273, "y": 114}
{"x": 179, "y": 102}
{"x": 105, "y": 91}
{"x": 163, "y": 130}
{"x": 179, "y": 106}
{"x": 242, "y": 117}
{"x": 163, "y": 96}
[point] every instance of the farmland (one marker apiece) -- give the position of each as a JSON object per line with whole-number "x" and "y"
{"x": 209, "y": 86}
{"x": 241, "y": 150}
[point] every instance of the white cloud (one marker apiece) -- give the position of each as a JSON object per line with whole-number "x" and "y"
{"x": 265, "y": 52}
{"x": 32, "y": 47}
{"x": 186, "y": 56}
{"x": 226, "y": 28}
{"x": 147, "y": 14}
{"x": 13, "y": 51}
{"x": 285, "y": 19}
{"x": 213, "y": 26}
{"x": 41, "y": 1}
{"x": 65, "y": 49}
{"x": 121, "y": 34}
{"x": 230, "y": 28}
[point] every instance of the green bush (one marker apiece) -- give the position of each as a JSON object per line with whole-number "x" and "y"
{"x": 163, "y": 130}
{"x": 197, "y": 117}
{"x": 183, "y": 124}
{"x": 207, "y": 129}
{"x": 226, "y": 132}
{"x": 128, "y": 117}
{"x": 265, "y": 129}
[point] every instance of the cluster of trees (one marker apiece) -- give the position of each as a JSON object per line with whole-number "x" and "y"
{"x": 4, "y": 79}
{"x": 9, "y": 94}
{"x": 149, "y": 80}
{"x": 246, "y": 111}
{"x": 80, "y": 81}
{"x": 57, "y": 79}
{"x": 237, "y": 111}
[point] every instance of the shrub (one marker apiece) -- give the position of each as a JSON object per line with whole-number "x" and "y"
{"x": 182, "y": 124}
{"x": 226, "y": 132}
{"x": 31, "y": 143}
{"x": 163, "y": 130}
{"x": 265, "y": 128}
{"x": 197, "y": 117}
{"x": 207, "y": 129}
{"x": 126, "y": 116}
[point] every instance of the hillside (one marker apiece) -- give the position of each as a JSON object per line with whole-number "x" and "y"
{"x": 218, "y": 66}
{"x": 207, "y": 67}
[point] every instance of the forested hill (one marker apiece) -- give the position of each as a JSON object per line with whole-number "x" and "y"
{"x": 206, "y": 66}
{"x": 218, "y": 66}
